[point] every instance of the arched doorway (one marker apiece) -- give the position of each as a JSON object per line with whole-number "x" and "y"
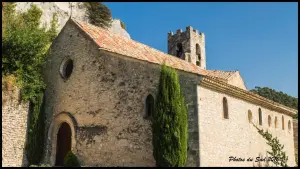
{"x": 63, "y": 143}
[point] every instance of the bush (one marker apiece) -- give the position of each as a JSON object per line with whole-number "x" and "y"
{"x": 277, "y": 149}
{"x": 98, "y": 14}
{"x": 169, "y": 122}
{"x": 71, "y": 160}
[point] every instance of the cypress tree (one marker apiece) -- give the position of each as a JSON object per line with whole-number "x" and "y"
{"x": 169, "y": 122}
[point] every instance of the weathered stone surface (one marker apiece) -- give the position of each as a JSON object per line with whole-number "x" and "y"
{"x": 193, "y": 44}
{"x": 295, "y": 128}
{"x": 14, "y": 127}
{"x": 110, "y": 93}
{"x": 221, "y": 138}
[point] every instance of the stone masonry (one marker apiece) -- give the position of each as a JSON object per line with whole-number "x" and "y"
{"x": 108, "y": 105}
{"x": 103, "y": 101}
{"x": 295, "y": 128}
{"x": 14, "y": 127}
{"x": 236, "y": 136}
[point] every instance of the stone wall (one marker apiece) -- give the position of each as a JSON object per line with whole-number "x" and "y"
{"x": 105, "y": 95}
{"x": 14, "y": 127}
{"x": 221, "y": 138}
{"x": 295, "y": 127}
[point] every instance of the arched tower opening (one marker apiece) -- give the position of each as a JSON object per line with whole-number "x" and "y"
{"x": 198, "y": 55}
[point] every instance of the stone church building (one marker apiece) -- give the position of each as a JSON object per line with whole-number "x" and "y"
{"x": 100, "y": 93}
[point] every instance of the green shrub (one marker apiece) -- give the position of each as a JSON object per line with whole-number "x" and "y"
{"x": 71, "y": 160}
{"x": 98, "y": 14}
{"x": 277, "y": 149}
{"x": 169, "y": 122}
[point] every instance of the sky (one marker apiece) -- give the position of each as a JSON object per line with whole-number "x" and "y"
{"x": 260, "y": 40}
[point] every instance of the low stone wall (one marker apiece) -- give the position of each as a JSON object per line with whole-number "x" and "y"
{"x": 14, "y": 127}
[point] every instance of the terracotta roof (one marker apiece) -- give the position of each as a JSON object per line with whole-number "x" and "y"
{"x": 221, "y": 74}
{"x": 109, "y": 41}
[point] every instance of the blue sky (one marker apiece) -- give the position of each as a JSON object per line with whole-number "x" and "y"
{"x": 258, "y": 39}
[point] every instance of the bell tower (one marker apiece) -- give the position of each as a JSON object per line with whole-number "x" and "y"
{"x": 188, "y": 45}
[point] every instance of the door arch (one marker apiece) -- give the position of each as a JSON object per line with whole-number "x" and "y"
{"x": 64, "y": 142}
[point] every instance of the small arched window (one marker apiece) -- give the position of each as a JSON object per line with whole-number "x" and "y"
{"x": 179, "y": 50}
{"x": 275, "y": 122}
{"x": 269, "y": 120}
{"x": 149, "y": 106}
{"x": 249, "y": 116}
{"x": 225, "y": 108}
{"x": 282, "y": 123}
{"x": 289, "y": 125}
{"x": 260, "y": 116}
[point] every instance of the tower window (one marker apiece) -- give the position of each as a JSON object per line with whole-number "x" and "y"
{"x": 275, "y": 122}
{"x": 225, "y": 108}
{"x": 149, "y": 106}
{"x": 179, "y": 50}
{"x": 198, "y": 51}
{"x": 260, "y": 116}
{"x": 289, "y": 125}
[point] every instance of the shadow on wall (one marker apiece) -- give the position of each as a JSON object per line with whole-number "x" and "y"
{"x": 24, "y": 158}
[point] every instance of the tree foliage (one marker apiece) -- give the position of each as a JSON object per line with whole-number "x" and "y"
{"x": 24, "y": 45}
{"x": 280, "y": 158}
{"x": 169, "y": 122}
{"x": 278, "y": 97}
{"x": 98, "y": 14}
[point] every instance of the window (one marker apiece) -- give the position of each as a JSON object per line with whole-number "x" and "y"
{"x": 179, "y": 50}
{"x": 249, "y": 116}
{"x": 149, "y": 106}
{"x": 282, "y": 123}
{"x": 275, "y": 122}
{"x": 269, "y": 120}
{"x": 198, "y": 51}
{"x": 260, "y": 116}
{"x": 66, "y": 68}
{"x": 225, "y": 108}
{"x": 289, "y": 125}
{"x": 198, "y": 54}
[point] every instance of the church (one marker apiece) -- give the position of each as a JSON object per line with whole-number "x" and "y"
{"x": 100, "y": 93}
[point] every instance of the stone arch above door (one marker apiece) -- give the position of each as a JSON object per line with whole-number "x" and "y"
{"x": 58, "y": 120}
